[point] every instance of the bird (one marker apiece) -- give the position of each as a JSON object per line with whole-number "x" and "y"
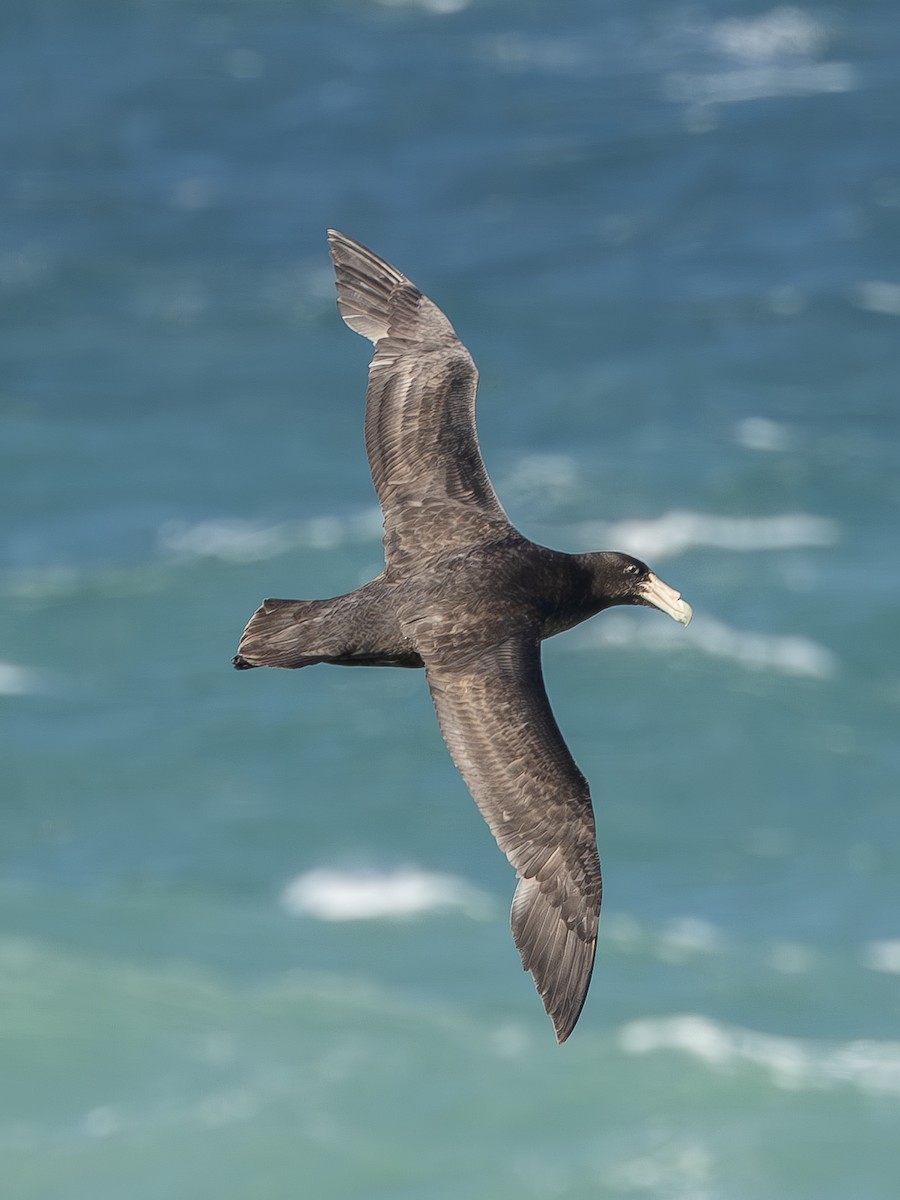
{"x": 466, "y": 597}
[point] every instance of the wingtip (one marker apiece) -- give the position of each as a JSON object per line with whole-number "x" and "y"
{"x": 366, "y": 287}
{"x": 337, "y": 241}
{"x": 559, "y": 958}
{"x": 564, "y": 1024}
{"x": 566, "y": 1016}
{"x": 343, "y": 248}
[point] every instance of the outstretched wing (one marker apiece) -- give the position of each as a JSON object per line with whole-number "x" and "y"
{"x": 420, "y": 411}
{"x": 498, "y": 725}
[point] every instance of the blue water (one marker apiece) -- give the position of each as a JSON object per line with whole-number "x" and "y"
{"x": 253, "y": 937}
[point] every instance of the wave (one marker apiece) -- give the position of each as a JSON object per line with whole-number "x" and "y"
{"x": 784, "y": 32}
{"x": 339, "y": 895}
{"x": 239, "y": 540}
{"x": 681, "y": 939}
{"x": 783, "y": 654}
{"x": 870, "y": 1066}
{"x": 677, "y": 531}
{"x": 773, "y": 54}
{"x": 16, "y": 680}
{"x": 541, "y": 479}
{"x": 882, "y": 956}
{"x": 760, "y": 433}
{"x": 759, "y": 82}
{"x": 877, "y": 296}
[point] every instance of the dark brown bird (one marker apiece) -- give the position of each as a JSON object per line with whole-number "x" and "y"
{"x": 467, "y": 597}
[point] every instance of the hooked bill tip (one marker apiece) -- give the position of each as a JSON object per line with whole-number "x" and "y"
{"x": 666, "y": 599}
{"x": 686, "y": 613}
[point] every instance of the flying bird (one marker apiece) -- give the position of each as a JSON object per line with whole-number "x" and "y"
{"x": 466, "y": 596}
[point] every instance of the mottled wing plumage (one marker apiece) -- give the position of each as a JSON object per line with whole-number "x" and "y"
{"x": 497, "y": 722}
{"x": 420, "y": 411}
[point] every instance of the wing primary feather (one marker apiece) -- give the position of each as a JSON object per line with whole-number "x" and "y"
{"x": 365, "y": 286}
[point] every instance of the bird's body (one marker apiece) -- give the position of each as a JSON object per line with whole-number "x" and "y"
{"x": 467, "y": 597}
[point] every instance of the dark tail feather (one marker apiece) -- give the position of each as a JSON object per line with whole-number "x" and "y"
{"x": 276, "y": 636}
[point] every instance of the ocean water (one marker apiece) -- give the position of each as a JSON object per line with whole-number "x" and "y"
{"x": 254, "y": 932}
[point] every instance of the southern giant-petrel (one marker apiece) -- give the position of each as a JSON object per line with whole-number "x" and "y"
{"x": 467, "y": 597}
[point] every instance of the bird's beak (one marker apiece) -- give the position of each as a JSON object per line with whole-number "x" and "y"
{"x": 666, "y": 599}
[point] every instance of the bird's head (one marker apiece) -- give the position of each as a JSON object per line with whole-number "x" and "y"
{"x": 620, "y": 579}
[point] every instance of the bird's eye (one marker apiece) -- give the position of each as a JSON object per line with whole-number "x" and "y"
{"x": 632, "y": 569}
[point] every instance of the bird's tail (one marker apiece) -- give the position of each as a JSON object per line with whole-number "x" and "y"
{"x": 278, "y": 635}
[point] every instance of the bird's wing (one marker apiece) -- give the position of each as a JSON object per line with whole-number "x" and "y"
{"x": 498, "y": 725}
{"x": 420, "y": 411}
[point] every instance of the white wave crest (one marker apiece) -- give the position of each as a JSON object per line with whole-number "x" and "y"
{"x": 785, "y": 32}
{"x": 334, "y": 895}
{"x": 674, "y": 532}
{"x": 16, "y": 680}
{"x": 783, "y": 654}
{"x": 883, "y": 956}
{"x": 871, "y": 1067}
{"x": 760, "y": 82}
{"x": 680, "y": 1169}
{"x": 550, "y": 479}
{"x": 238, "y": 540}
{"x": 438, "y": 8}
{"x": 759, "y": 433}
{"x": 681, "y": 939}
{"x": 772, "y": 54}
{"x": 877, "y": 296}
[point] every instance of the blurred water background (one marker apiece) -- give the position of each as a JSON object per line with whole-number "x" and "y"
{"x": 254, "y": 938}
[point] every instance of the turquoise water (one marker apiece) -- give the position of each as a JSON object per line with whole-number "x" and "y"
{"x": 254, "y": 937}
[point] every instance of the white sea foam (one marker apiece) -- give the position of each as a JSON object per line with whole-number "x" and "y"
{"x": 883, "y": 956}
{"x": 436, "y": 7}
{"x": 877, "y": 296}
{"x": 681, "y": 939}
{"x": 759, "y": 433}
{"x": 542, "y": 478}
{"x": 679, "y": 1169}
{"x": 102, "y": 1122}
{"x": 784, "y": 32}
{"x": 674, "y": 532}
{"x": 784, "y": 654}
{"x": 685, "y": 938}
{"x": 338, "y": 895}
{"x": 774, "y": 54}
{"x": 517, "y": 51}
{"x": 759, "y": 82}
{"x": 16, "y": 680}
{"x": 690, "y": 939}
{"x": 238, "y": 540}
{"x": 790, "y": 654}
{"x": 870, "y": 1066}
